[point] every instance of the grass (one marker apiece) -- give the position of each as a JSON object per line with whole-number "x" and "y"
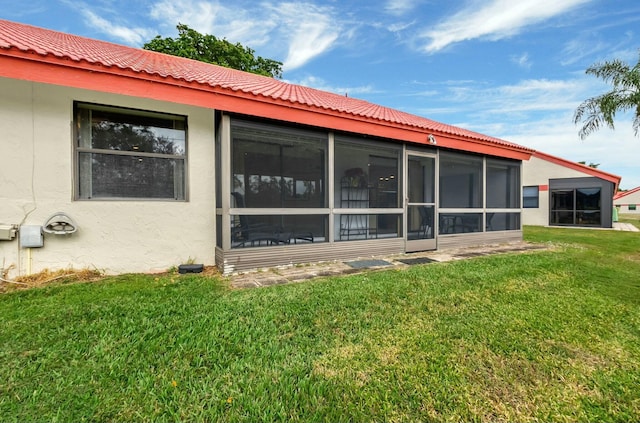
{"x": 634, "y": 219}
{"x": 545, "y": 336}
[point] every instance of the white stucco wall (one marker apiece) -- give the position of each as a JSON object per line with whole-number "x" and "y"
{"x": 623, "y": 203}
{"x": 537, "y": 171}
{"x": 36, "y": 180}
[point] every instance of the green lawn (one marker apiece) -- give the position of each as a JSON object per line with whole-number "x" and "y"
{"x": 543, "y": 336}
{"x": 630, "y": 218}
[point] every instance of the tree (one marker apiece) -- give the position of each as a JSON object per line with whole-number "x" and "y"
{"x": 210, "y": 49}
{"x": 591, "y": 164}
{"x": 624, "y": 96}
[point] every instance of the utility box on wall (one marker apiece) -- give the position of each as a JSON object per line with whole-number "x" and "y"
{"x": 31, "y": 236}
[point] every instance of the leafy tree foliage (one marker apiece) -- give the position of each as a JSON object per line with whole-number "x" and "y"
{"x": 208, "y": 48}
{"x": 591, "y": 164}
{"x": 624, "y": 96}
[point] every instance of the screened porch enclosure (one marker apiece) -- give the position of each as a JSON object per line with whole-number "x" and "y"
{"x": 289, "y": 195}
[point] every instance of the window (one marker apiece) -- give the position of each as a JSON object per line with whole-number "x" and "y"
{"x": 129, "y": 154}
{"x": 530, "y": 197}
{"x": 632, "y": 207}
{"x": 579, "y": 206}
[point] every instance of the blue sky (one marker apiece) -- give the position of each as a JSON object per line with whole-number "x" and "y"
{"x": 513, "y": 69}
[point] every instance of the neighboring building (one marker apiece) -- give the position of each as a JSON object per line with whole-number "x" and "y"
{"x": 558, "y": 192}
{"x": 628, "y": 201}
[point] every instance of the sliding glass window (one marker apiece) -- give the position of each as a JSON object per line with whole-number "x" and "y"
{"x": 579, "y": 206}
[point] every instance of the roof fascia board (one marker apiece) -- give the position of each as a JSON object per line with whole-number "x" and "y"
{"x": 33, "y": 67}
{"x": 625, "y": 193}
{"x": 610, "y": 177}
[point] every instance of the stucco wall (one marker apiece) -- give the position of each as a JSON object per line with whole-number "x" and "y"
{"x": 36, "y": 180}
{"x": 537, "y": 171}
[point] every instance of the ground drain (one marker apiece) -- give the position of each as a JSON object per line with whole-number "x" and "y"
{"x": 364, "y": 264}
{"x": 419, "y": 260}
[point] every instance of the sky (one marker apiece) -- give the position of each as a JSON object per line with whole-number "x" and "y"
{"x": 511, "y": 69}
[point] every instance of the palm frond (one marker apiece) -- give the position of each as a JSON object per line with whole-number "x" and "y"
{"x": 599, "y": 111}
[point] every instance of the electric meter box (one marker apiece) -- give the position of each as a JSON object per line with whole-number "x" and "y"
{"x": 31, "y": 236}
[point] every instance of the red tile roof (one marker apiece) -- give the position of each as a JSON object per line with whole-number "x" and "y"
{"x": 89, "y": 53}
{"x": 622, "y": 194}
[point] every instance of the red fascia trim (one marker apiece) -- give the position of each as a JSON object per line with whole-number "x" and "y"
{"x": 65, "y": 72}
{"x": 615, "y": 179}
{"x": 625, "y": 193}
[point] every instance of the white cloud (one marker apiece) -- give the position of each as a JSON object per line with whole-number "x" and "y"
{"x": 399, "y": 26}
{"x": 493, "y": 20}
{"x": 309, "y": 31}
{"x": 534, "y": 95}
{"x": 297, "y": 32}
{"x": 616, "y": 151}
{"x": 399, "y": 7}
{"x": 579, "y": 48}
{"x": 321, "y": 84}
{"x": 522, "y": 60}
{"x": 236, "y": 24}
{"x": 134, "y": 36}
{"x": 538, "y": 113}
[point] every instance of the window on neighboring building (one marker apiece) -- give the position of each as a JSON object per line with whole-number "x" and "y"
{"x": 632, "y": 207}
{"x": 129, "y": 154}
{"x": 579, "y": 206}
{"x": 530, "y": 197}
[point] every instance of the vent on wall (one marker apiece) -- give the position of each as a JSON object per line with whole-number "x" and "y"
{"x": 60, "y": 224}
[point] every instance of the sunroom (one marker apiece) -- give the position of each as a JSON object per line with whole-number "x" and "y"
{"x": 289, "y": 194}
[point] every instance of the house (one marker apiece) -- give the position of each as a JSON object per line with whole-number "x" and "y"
{"x": 128, "y": 160}
{"x": 557, "y": 192}
{"x": 628, "y": 201}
